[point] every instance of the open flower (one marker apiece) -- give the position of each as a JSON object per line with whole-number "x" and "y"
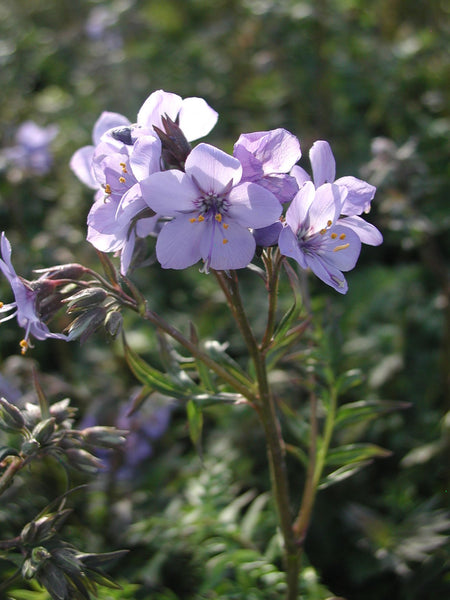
{"x": 266, "y": 158}
{"x": 212, "y": 211}
{"x": 24, "y": 308}
{"x": 31, "y": 152}
{"x": 316, "y": 239}
{"x": 115, "y": 220}
{"x": 359, "y": 193}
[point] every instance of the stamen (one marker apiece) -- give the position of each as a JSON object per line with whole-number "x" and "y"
{"x": 124, "y": 167}
{"x": 107, "y": 189}
{"x": 224, "y": 241}
{"x": 322, "y": 231}
{"x": 122, "y": 179}
{"x": 343, "y": 247}
{"x": 1, "y": 304}
{"x": 193, "y": 220}
{"x": 218, "y": 217}
{"x": 329, "y": 223}
{"x": 342, "y": 236}
{"x": 333, "y": 236}
{"x": 24, "y": 345}
{"x": 201, "y": 218}
{"x": 225, "y": 225}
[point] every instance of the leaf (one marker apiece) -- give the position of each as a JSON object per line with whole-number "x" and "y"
{"x": 348, "y": 380}
{"x": 195, "y": 420}
{"x": 366, "y": 410}
{"x": 152, "y": 378}
{"x": 353, "y": 453}
{"x": 342, "y": 473}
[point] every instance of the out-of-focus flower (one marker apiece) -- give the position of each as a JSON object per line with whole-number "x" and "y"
{"x": 314, "y": 236}
{"x": 359, "y": 193}
{"x": 266, "y": 158}
{"x": 212, "y": 211}
{"x": 31, "y": 154}
{"x": 25, "y": 306}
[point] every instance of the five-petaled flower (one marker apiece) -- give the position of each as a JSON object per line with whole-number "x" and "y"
{"x": 25, "y": 307}
{"x": 358, "y": 197}
{"x": 212, "y": 211}
{"x": 314, "y": 236}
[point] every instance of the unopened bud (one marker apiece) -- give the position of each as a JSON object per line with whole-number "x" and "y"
{"x": 11, "y": 419}
{"x": 83, "y": 460}
{"x": 44, "y": 431}
{"x": 106, "y": 437}
{"x": 175, "y": 147}
{"x": 113, "y": 322}
{"x": 122, "y": 134}
{"x": 69, "y": 271}
{"x": 85, "y": 299}
{"x": 85, "y": 325}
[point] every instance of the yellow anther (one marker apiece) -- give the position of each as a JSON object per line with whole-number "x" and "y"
{"x": 192, "y": 220}
{"x": 333, "y": 236}
{"x": 1, "y": 304}
{"x": 225, "y": 225}
{"x": 108, "y": 189}
{"x": 218, "y": 217}
{"x": 201, "y": 218}
{"x": 343, "y": 247}
{"x": 122, "y": 179}
{"x": 329, "y": 223}
{"x": 24, "y": 345}
{"x": 322, "y": 231}
{"x": 224, "y": 241}
{"x": 342, "y": 236}
{"x": 124, "y": 167}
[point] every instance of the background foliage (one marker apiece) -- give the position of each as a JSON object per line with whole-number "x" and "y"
{"x": 371, "y": 77}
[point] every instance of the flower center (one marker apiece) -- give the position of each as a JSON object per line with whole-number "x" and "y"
{"x": 212, "y": 209}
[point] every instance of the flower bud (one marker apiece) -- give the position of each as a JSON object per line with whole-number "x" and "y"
{"x": 11, "y": 419}
{"x": 30, "y": 446}
{"x": 175, "y": 147}
{"x": 83, "y": 460}
{"x": 44, "y": 431}
{"x": 113, "y": 322}
{"x": 85, "y": 299}
{"x": 69, "y": 271}
{"x": 85, "y": 324}
{"x": 106, "y": 437}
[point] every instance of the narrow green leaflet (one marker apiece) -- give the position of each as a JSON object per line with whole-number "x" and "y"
{"x": 195, "y": 420}
{"x": 342, "y": 473}
{"x": 365, "y": 410}
{"x": 354, "y": 453}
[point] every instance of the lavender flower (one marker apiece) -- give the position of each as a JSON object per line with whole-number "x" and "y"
{"x": 32, "y": 150}
{"x": 81, "y": 161}
{"x": 115, "y": 220}
{"x": 266, "y": 158}
{"x": 25, "y": 305}
{"x": 212, "y": 211}
{"x": 316, "y": 238}
{"x": 359, "y": 193}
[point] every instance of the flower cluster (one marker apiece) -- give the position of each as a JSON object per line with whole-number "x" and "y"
{"x": 31, "y": 153}
{"x": 203, "y": 204}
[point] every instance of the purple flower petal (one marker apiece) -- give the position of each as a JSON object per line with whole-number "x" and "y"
{"x": 253, "y": 206}
{"x": 326, "y": 207}
{"x": 322, "y": 163}
{"x": 178, "y": 243}
{"x": 222, "y": 249}
{"x": 196, "y": 118}
{"x": 288, "y": 244}
{"x": 367, "y": 233}
{"x": 212, "y": 168}
{"x": 359, "y": 195}
{"x": 170, "y": 192}
{"x": 145, "y": 157}
{"x": 300, "y": 175}
{"x": 81, "y": 165}
{"x": 327, "y": 273}
{"x": 268, "y": 236}
{"x": 297, "y": 213}
{"x": 159, "y": 103}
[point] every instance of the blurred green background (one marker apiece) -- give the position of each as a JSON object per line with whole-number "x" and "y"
{"x": 372, "y": 78}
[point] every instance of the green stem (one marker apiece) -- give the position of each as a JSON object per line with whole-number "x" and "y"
{"x": 273, "y": 277}
{"x": 15, "y": 464}
{"x": 275, "y": 444}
